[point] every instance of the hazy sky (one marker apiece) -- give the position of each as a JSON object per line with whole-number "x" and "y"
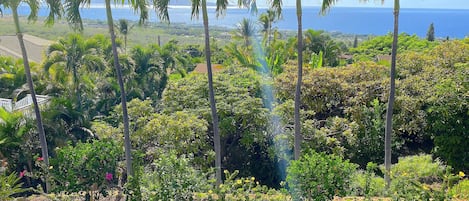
{"x": 446, "y": 4}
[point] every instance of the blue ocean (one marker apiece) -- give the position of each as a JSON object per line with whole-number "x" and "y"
{"x": 451, "y": 23}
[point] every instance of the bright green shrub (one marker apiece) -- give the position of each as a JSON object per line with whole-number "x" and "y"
{"x": 244, "y": 188}
{"x": 317, "y": 176}
{"x": 420, "y": 178}
{"x": 460, "y": 190}
{"x": 171, "y": 178}
{"x": 366, "y": 183}
{"x": 9, "y": 185}
{"x": 86, "y": 167}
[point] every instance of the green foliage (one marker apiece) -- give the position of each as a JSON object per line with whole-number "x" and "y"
{"x": 431, "y": 33}
{"x": 10, "y": 185}
{"x": 414, "y": 177}
{"x": 317, "y": 176}
{"x": 381, "y": 45}
{"x": 171, "y": 177}
{"x": 244, "y": 188}
{"x": 243, "y": 117}
{"x": 460, "y": 190}
{"x": 335, "y": 136}
{"x": 366, "y": 183}
{"x": 86, "y": 167}
{"x": 12, "y": 76}
{"x": 133, "y": 188}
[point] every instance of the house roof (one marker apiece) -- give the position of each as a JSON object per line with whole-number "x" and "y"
{"x": 202, "y": 68}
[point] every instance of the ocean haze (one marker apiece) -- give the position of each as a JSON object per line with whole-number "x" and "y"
{"x": 375, "y": 21}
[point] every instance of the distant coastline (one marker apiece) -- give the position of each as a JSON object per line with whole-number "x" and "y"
{"x": 348, "y": 20}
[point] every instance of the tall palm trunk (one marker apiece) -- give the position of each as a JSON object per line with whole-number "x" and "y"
{"x": 392, "y": 91}
{"x": 27, "y": 69}
{"x": 127, "y": 145}
{"x": 213, "y": 107}
{"x": 297, "y": 147}
{"x": 77, "y": 86}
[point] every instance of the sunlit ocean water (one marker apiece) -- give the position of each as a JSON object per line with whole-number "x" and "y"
{"x": 376, "y": 21}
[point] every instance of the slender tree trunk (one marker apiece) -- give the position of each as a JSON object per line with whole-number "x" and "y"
{"x": 40, "y": 127}
{"x": 127, "y": 145}
{"x": 213, "y": 107}
{"x": 297, "y": 148}
{"x": 125, "y": 43}
{"x": 392, "y": 91}
{"x": 77, "y": 86}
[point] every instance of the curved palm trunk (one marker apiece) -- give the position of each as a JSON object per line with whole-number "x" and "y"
{"x": 216, "y": 134}
{"x": 27, "y": 69}
{"x": 127, "y": 145}
{"x": 297, "y": 147}
{"x": 392, "y": 91}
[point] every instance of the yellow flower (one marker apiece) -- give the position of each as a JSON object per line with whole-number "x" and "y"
{"x": 210, "y": 191}
{"x": 252, "y": 178}
{"x": 50, "y": 167}
{"x": 239, "y": 181}
{"x": 226, "y": 171}
{"x": 425, "y": 187}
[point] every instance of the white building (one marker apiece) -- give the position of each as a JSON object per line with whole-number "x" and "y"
{"x": 24, "y": 105}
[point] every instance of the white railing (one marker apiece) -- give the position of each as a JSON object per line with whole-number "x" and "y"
{"x": 28, "y": 101}
{"x": 7, "y": 104}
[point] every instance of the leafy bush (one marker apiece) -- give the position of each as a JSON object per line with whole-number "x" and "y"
{"x": 317, "y": 176}
{"x": 460, "y": 190}
{"x": 86, "y": 167}
{"x": 9, "y": 185}
{"x": 244, "y": 188}
{"x": 171, "y": 178}
{"x": 366, "y": 183}
{"x": 420, "y": 178}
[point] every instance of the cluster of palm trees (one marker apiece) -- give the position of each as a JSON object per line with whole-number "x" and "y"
{"x": 71, "y": 9}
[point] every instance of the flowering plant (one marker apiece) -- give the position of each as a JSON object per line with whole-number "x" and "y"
{"x": 88, "y": 167}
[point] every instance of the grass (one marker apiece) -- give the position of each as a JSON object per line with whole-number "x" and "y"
{"x": 147, "y": 34}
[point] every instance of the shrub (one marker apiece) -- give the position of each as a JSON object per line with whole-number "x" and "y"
{"x": 420, "y": 178}
{"x": 460, "y": 190}
{"x": 366, "y": 183}
{"x": 9, "y": 185}
{"x": 171, "y": 178}
{"x": 317, "y": 176}
{"x": 87, "y": 167}
{"x": 244, "y": 188}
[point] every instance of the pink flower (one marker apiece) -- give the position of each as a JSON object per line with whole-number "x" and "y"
{"x": 108, "y": 176}
{"x": 22, "y": 173}
{"x": 40, "y": 159}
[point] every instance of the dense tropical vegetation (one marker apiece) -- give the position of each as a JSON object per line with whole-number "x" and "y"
{"x": 234, "y": 129}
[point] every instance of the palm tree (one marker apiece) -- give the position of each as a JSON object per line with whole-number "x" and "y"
{"x": 267, "y": 19}
{"x": 74, "y": 53}
{"x": 245, "y": 30}
{"x": 392, "y": 88}
{"x": 124, "y": 29}
{"x": 220, "y": 8}
{"x": 55, "y": 11}
{"x": 297, "y": 138}
{"x": 73, "y": 16}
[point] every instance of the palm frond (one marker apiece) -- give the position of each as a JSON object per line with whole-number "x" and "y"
{"x": 196, "y": 8}
{"x": 221, "y": 7}
{"x": 55, "y": 11}
{"x": 72, "y": 12}
{"x": 34, "y": 7}
{"x": 276, "y": 5}
{"x": 161, "y": 8}
{"x": 326, "y": 5}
